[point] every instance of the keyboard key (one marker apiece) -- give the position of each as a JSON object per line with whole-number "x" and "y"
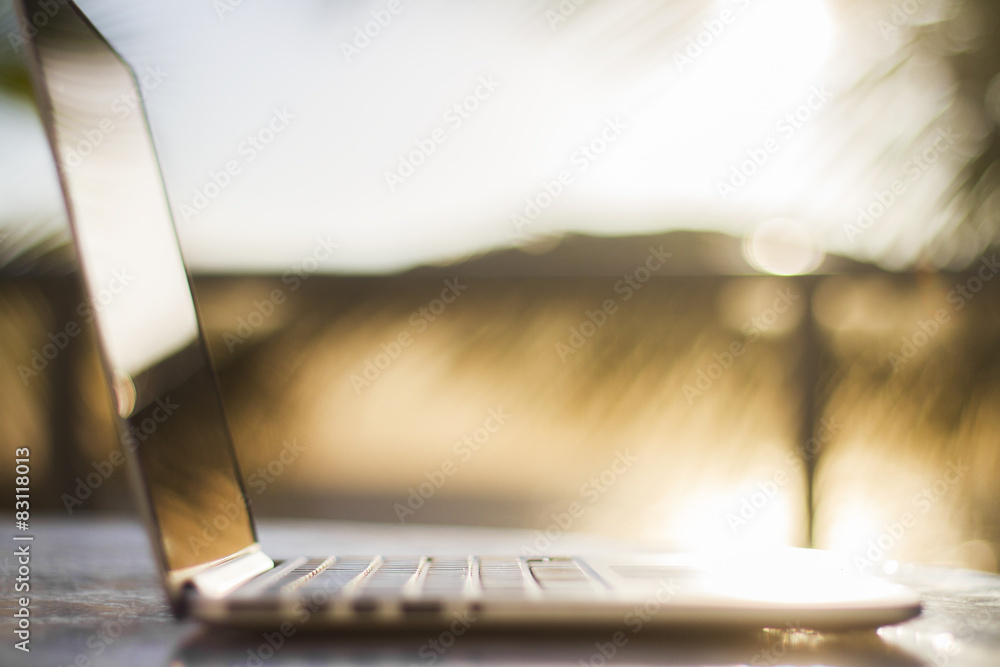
{"x": 446, "y": 575}
{"x": 501, "y": 574}
{"x": 561, "y": 574}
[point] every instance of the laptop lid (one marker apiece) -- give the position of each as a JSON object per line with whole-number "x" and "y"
{"x": 170, "y": 414}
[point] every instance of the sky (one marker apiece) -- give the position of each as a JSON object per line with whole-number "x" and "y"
{"x": 409, "y": 133}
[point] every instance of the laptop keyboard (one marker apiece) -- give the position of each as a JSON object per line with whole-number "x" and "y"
{"x": 366, "y": 580}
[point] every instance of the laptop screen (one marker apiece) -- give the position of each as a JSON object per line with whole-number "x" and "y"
{"x": 170, "y": 413}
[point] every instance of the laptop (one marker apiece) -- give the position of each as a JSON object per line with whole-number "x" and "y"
{"x": 187, "y": 480}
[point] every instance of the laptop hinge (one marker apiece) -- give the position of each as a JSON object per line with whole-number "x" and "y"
{"x": 222, "y": 577}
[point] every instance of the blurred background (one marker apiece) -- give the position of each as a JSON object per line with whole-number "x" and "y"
{"x": 719, "y": 272}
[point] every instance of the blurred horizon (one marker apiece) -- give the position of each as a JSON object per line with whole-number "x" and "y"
{"x": 746, "y": 246}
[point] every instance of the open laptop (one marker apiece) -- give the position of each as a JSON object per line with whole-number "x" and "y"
{"x": 184, "y": 469}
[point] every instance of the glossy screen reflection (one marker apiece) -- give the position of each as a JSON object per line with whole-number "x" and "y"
{"x": 163, "y": 384}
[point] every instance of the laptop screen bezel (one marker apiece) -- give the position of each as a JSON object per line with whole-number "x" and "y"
{"x": 176, "y": 578}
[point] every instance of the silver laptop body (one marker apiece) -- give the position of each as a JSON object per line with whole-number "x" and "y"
{"x": 184, "y": 469}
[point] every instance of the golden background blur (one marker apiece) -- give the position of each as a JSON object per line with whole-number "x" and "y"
{"x": 790, "y": 374}
{"x": 900, "y": 370}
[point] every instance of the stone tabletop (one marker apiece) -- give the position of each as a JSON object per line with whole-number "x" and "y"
{"x": 96, "y": 600}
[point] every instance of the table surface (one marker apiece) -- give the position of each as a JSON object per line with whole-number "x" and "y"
{"x": 96, "y": 600}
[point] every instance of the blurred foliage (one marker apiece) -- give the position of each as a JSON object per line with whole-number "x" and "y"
{"x": 968, "y": 43}
{"x": 14, "y": 79}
